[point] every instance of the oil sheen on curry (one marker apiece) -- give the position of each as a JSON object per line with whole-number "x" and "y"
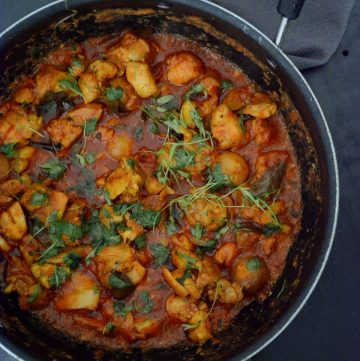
{"x": 148, "y": 191}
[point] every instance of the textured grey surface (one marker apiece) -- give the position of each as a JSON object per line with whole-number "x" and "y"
{"x": 327, "y": 329}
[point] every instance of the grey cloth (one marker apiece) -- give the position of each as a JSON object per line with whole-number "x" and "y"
{"x": 311, "y": 39}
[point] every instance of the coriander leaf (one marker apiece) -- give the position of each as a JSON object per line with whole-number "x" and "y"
{"x": 109, "y": 328}
{"x": 35, "y": 294}
{"x": 70, "y": 83}
{"x": 117, "y": 282}
{"x": 72, "y": 260}
{"x": 146, "y": 217}
{"x": 187, "y": 274}
{"x": 165, "y": 99}
{"x": 53, "y": 169}
{"x": 253, "y": 264}
{"x": 153, "y": 128}
{"x": 160, "y": 254}
{"x": 138, "y": 133}
{"x": 195, "y": 90}
{"x": 191, "y": 262}
{"x": 205, "y": 246}
{"x": 87, "y": 158}
{"x": 122, "y": 309}
{"x": 172, "y": 227}
{"x": 113, "y": 94}
{"x": 8, "y": 149}
{"x": 131, "y": 163}
{"x": 90, "y": 126}
{"x": 270, "y": 229}
{"x": 197, "y": 231}
{"x": 221, "y": 179}
{"x": 225, "y": 85}
{"x": 59, "y": 277}
{"x": 198, "y": 122}
{"x": 140, "y": 242}
{"x": 147, "y": 303}
{"x": 39, "y": 198}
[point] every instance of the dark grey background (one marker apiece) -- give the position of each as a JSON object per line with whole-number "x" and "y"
{"x": 328, "y": 328}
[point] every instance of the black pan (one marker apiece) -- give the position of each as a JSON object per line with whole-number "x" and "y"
{"x": 222, "y": 31}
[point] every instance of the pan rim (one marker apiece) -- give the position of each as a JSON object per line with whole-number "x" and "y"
{"x": 304, "y": 295}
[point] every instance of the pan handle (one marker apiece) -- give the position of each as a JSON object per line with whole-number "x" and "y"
{"x": 289, "y": 10}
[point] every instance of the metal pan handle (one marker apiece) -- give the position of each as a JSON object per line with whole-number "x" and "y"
{"x": 289, "y": 10}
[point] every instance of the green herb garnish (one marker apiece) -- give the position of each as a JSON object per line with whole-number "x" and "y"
{"x": 39, "y": 198}
{"x": 53, "y": 168}
{"x": 90, "y": 126}
{"x": 113, "y": 94}
{"x": 160, "y": 253}
{"x": 147, "y": 303}
{"x": 8, "y": 149}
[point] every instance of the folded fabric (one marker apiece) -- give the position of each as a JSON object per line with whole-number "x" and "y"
{"x": 311, "y": 39}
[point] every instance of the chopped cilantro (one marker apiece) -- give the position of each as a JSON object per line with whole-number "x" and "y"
{"x": 160, "y": 253}
{"x": 121, "y": 308}
{"x": 153, "y": 128}
{"x": 225, "y": 85}
{"x": 146, "y": 217}
{"x": 140, "y": 242}
{"x": 187, "y": 274}
{"x": 197, "y": 231}
{"x": 191, "y": 262}
{"x": 90, "y": 126}
{"x": 70, "y": 83}
{"x": 109, "y": 328}
{"x": 115, "y": 281}
{"x": 53, "y": 168}
{"x": 34, "y": 295}
{"x": 270, "y": 229}
{"x": 165, "y": 99}
{"x": 113, "y": 94}
{"x": 254, "y": 264}
{"x": 39, "y": 198}
{"x": 59, "y": 277}
{"x": 131, "y": 163}
{"x": 8, "y": 149}
{"x": 147, "y": 303}
{"x": 195, "y": 90}
{"x": 72, "y": 260}
{"x": 138, "y": 134}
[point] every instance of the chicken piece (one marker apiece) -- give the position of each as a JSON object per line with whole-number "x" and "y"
{"x": 132, "y": 48}
{"x": 48, "y": 79}
{"x": 103, "y": 70}
{"x": 226, "y": 292}
{"x": 120, "y": 146}
{"x": 251, "y": 273}
{"x": 207, "y": 213}
{"x": 177, "y": 287}
{"x": 22, "y": 159}
{"x": 64, "y": 132}
{"x": 202, "y": 331}
{"x": 261, "y": 106}
{"x": 261, "y": 131}
{"x": 123, "y": 180}
{"x": 140, "y": 77}
{"x": 236, "y": 98}
{"x": 183, "y": 67}
{"x": 24, "y": 94}
{"x": 84, "y": 112}
{"x": 209, "y": 273}
{"x": 145, "y": 327}
{"x": 89, "y": 87}
{"x": 42, "y": 202}
{"x": 79, "y": 293}
{"x": 18, "y": 126}
{"x": 225, "y": 127}
{"x": 226, "y": 254}
{"x": 20, "y": 280}
{"x": 12, "y": 222}
{"x": 180, "y": 308}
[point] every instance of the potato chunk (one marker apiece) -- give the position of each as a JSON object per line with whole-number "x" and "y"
{"x": 120, "y": 146}
{"x": 85, "y": 112}
{"x": 4, "y": 166}
{"x": 202, "y": 332}
{"x": 64, "y": 132}
{"x": 79, "y": 293}
{"x": 17, "y": 126}
{"x": 209, "y": 214}
{"x": 145, "y": 327}
{"x": 236, "y": 98}
{"x": 183, "y": 67}
{"x": 225, "y": 127}
{"x": 174, "y": 283}
{"x": 140, "y": 77}
{"x": 89, "y": 87}
{"x": 47, "y": 80}
{"x": 103, "y": 70}
{"x": 123, "y": 180}
{"x": 180, "y": 308}
{"x": 233, "y": 166}
{"x": 12, "y": 222}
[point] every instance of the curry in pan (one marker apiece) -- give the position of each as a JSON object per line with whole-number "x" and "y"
{"x": 148, "y": 191}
